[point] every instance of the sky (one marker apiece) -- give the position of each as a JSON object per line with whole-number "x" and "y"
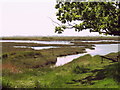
{"x": 31, "y": 18}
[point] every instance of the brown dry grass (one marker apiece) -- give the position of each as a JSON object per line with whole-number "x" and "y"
{"x": 12, "y": 68}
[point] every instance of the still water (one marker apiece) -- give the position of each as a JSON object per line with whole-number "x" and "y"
{"x": 39, "y": 42}
{"x": 36, "y": 48}
{"x": 100, "y": 49}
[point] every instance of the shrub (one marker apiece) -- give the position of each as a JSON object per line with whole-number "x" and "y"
{"x": 4, "y": 56}
{"x": 78, "y": 70}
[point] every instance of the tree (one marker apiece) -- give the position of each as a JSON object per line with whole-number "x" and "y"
{"x": 102, "y": 17}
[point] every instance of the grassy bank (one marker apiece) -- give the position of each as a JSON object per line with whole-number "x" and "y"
{"x": 83, "y": 72}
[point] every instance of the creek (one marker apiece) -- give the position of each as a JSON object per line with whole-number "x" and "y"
{"x": 100, "y": 49}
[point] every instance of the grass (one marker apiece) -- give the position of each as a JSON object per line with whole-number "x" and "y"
{"x": 83, "y": 72}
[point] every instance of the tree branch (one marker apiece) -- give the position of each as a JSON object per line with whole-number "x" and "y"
{"x": 54, "y": 22}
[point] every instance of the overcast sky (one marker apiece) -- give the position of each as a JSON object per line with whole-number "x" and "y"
{"x": 31, "y": 18}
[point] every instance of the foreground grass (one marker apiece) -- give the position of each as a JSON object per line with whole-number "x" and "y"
{"x": 83, "y": 72}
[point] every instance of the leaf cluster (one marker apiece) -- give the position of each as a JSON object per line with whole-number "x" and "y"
{"x": 102, "y": 17}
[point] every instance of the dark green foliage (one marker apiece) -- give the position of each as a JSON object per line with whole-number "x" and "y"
{"x": 102, "y": 17}
{"x": 114, "y": 71}
{"x": 37, "y": 84}
{"x": 4, "y": 56}
{"x": 79, "y": 70}
{"x": 6, "y": 83}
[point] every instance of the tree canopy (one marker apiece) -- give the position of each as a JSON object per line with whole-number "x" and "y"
{"x": 102, "y": 17}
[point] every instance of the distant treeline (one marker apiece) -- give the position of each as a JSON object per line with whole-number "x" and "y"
{"x": 65, "y": 38}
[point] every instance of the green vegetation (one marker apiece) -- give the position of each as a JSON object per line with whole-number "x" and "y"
{"x": 83, "y": 72}
{"x": 101, "y": 17}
